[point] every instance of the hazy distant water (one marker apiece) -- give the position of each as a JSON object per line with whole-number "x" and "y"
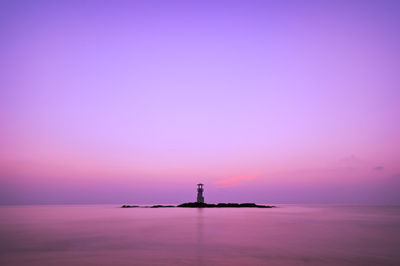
{"x": 288, "y": 235}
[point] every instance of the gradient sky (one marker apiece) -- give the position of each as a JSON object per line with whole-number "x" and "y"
{"x": 262, "y": 101}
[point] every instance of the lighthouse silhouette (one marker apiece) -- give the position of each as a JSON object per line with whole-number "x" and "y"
{"x": 200, "y": 198}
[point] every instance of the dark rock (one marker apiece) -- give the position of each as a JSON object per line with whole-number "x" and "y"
{"x": 253, "y": 205}
{"x": 222, "y": 205}
{"x": 205, "y": 205}
{"x": 228, "y": 205}
{"x": 196, "y": 205}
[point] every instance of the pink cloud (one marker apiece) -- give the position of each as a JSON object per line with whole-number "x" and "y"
{"x": 236, "y": 180}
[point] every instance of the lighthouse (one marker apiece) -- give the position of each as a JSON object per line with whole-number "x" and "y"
{"x": 200, "y": 198}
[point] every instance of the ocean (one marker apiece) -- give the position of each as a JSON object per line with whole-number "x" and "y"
{"x": 288, "y": 235}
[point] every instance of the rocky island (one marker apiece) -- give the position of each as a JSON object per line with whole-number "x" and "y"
{"x": 205, "y": 205}
{"x": 201, "y": 204}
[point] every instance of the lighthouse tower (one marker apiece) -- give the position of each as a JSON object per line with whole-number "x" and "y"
{"x": 200, "y": 198}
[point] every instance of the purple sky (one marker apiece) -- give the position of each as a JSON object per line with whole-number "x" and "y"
{"x": 137, "y": 101}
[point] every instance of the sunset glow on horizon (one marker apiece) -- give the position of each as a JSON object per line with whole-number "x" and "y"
{"x": 138, "y": 101}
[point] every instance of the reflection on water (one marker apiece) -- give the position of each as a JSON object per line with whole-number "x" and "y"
{"x": 200, "y": 237}
{"x": 288, "y": 235}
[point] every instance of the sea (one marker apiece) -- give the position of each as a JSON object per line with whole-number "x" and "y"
{"x": 287, "y": 235}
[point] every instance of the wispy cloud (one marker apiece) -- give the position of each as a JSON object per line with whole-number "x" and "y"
{"x": 236, "y": 180}
{"x": 379, "y": 168}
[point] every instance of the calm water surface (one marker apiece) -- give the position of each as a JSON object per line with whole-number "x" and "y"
{"x": 288, "y": 235}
